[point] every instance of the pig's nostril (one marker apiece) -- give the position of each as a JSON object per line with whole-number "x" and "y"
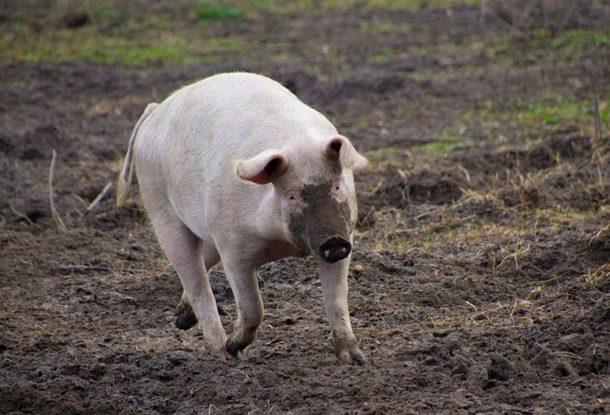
{"x": 335, "y": 249}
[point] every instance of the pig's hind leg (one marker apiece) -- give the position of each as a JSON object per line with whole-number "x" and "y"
{"x": 185, "y": 316}
{"x": 184, "y": 250}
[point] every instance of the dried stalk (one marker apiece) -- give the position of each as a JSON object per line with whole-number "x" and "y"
{"x": 100, "y": 196}
{"x": 54, "y": 214}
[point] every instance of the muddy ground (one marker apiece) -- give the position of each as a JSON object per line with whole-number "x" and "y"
{"x": 480, "y": 278}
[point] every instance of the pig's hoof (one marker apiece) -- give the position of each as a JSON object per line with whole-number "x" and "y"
{"x": 222, "y": 355}
{"x": 234, "y": 346}
{"x": 185, "y": 316}
{"x": 348, "y": 352}
{"x": 348, "y": 356}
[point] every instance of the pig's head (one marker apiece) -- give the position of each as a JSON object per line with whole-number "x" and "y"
{"x": 312, "y": 201}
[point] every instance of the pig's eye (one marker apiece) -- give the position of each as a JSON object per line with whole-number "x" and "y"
{"x": 292, "y": 197}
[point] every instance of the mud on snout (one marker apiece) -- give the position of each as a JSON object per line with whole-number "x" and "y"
{"x": 323, "y": 227}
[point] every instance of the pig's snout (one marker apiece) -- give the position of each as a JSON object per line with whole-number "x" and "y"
{"x": 335, "y": 249}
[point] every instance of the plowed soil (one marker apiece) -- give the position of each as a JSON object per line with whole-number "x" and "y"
{"x": 480, "y": 278}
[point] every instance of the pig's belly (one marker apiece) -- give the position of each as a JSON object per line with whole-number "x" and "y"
{"x": 190, "y": 208}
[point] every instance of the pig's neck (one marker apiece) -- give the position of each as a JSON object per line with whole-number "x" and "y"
{"x": 266, "y": 213}
{"x": 268, "y": 229}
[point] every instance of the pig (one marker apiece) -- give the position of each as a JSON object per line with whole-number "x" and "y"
{"x": 235, "y": 168}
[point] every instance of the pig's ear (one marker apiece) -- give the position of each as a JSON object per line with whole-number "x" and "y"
{"x": 263, "y": 168}
{"x": 339, "y": 148}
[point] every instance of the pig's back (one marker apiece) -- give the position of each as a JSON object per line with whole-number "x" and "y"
{"x": 236, "y": 111}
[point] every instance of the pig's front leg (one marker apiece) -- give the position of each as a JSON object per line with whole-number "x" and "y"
{"x": 334, "y": 288}
{"x": 244, "y": 284}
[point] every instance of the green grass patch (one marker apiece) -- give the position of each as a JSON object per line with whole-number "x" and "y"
{"x": 128, "y": 48}
{"x": 447, "y": 143}
{"x": 551, "y": 109}
{"x": 554, "y": 109}
{"x": 529, "y": 117}
{"x": 384, "y": 55}
{"x": 420, "y": 75}
{"x": 383, "y": 27}
{"x": 119, "y": 50}
{"x": 385, "y": 155}
{"x": 101, "y": 12}
{"x": 540, "y": 46}
{"x": 576, "y": 42}
{"x": 296, "y": 6}
{"x": 214, "y": 11}
{"x": 417, "y": 4}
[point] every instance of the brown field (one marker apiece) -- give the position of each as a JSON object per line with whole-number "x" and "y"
{"x": 481, "y": 274}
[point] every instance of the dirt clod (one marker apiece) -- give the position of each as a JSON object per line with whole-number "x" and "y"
{"x": 499, "y": 368}
{"x": 74, "y": 20}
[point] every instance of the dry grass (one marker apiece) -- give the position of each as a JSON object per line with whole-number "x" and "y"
{"x": 58, "y": 220}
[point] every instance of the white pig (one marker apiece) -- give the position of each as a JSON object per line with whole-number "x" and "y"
{"x": 235, "y": 168}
